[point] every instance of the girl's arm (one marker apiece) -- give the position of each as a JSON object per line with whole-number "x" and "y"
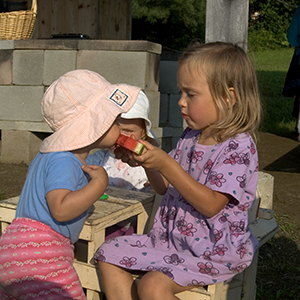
{"x": 201, "y": 197}
{"x": 66, "y": 205}
{"x": 157, "y": 181}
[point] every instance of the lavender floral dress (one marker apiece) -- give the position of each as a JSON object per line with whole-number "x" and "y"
{"x": 184, "y": 244}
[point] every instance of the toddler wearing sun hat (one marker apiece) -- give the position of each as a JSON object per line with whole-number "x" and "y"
{"x": 81, "y": 107}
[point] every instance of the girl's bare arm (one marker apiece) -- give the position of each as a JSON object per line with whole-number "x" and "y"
{"x": 205, "y": 200}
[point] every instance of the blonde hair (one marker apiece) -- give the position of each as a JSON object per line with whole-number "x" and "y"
{"x": 230, "y": 75}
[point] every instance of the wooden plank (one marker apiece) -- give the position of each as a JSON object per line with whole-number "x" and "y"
{"x": 115, "y": 19}
{"x": 93, "y": 246}
{"x": 3, "y": 226}
{"x": 105, "y": 19}
{"x": 232, "y": 21}
{"x": 88, "y": 274}
{"x": 57, "y": 17}
{"x": 43, "y": 26}
{"x": 70, "y": 17}
{"x": 87, "y": 18}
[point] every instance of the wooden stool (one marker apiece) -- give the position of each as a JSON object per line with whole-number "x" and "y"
{"x": 120, "y": 205}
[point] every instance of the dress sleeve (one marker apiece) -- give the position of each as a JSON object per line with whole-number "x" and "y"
{"x": 235, "y": 170}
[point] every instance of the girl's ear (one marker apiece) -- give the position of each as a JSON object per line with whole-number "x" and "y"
{"x": 233, "y": 97}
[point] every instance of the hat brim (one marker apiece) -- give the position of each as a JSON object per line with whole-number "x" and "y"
{"x": 87, "y": 128}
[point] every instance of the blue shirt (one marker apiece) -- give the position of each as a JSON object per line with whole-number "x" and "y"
{"x": 47, "y": 172}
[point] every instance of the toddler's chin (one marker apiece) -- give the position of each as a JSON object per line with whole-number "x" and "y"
{"x": 112, "y": 149}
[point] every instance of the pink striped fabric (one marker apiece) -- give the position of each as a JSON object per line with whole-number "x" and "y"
{"x": 36, "y": 263}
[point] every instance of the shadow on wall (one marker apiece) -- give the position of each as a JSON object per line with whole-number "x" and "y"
{"x": 170, "y": 118}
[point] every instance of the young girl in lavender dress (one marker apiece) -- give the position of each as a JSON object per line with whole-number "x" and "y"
{"x": 36, "y": 249}
{"x": 200, "y": 234}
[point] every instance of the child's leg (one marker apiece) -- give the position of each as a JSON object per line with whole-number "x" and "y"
{"x": 117, "y": 282}
{"x": 158, "y": 286}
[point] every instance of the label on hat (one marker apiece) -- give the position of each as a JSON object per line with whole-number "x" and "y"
{"x": 119, "y": 97}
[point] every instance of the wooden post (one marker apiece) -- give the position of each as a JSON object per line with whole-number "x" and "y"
{"x": 227, "y": 21}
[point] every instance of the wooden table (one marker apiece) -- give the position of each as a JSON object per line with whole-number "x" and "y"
{"x": 120, "y": 205}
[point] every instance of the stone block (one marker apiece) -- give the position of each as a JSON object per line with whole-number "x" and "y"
{"x": 19, "y": 146}
{"x": 21, "y": 103}
{"x": 168, "y": 77}
{"x": 175, "y": 116}
{"x": 46, "y": 44}
{"x": 164, "y": 109}
{"x": 57, "y": 63}
{"x": 6, "y": 66}
{"x": 120, "y": 45}
{"x": 265, "y": 187}
{"x": 6, "y": 44}
{"x": 26, "y": 126}
{"x": 152, "y": 72}
{"x": 121, "y": 67}
{"x": 170, "y": 138}
{"x": 158, "y": 132}
{"x": 28, "y": 67}
{"x": 154, "y": 99}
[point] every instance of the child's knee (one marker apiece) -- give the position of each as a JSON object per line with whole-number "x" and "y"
{"x": 146, "y": 290}
{"x": 153, "y": 286}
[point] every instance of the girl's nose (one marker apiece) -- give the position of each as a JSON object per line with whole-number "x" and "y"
{"x": 181, "y": 101}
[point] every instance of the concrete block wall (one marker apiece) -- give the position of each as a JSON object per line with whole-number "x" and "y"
{"x": 28, "y": 67}
{"x": 170, "y": 117}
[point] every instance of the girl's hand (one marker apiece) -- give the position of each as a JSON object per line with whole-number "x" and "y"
{"x": 152, "y": 158}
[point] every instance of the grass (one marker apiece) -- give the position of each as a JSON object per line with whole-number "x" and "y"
{"x": 271, "y": 67}
{"x": 278, "y": 273}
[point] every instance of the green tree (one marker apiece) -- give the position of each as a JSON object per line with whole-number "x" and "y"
{"x": 171, "y": 23}
{"x": 174, "y": 23}
{"x": 269, "y": 21}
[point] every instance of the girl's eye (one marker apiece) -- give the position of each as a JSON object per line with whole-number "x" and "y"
{"x": 125, "y": 131}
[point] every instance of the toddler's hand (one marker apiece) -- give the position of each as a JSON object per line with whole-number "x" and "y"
{"x": 125, "y": 155}
{"x": 95, "y": 172}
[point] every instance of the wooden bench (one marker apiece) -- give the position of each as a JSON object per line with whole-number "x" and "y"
{"x": 120, "y": 205}
{"x": 243, "y": 286}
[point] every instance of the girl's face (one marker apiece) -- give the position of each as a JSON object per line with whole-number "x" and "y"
{"x": 110, "y": 137}
{"x": 132, "y": 127}
{"x": 197, "y": 105}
